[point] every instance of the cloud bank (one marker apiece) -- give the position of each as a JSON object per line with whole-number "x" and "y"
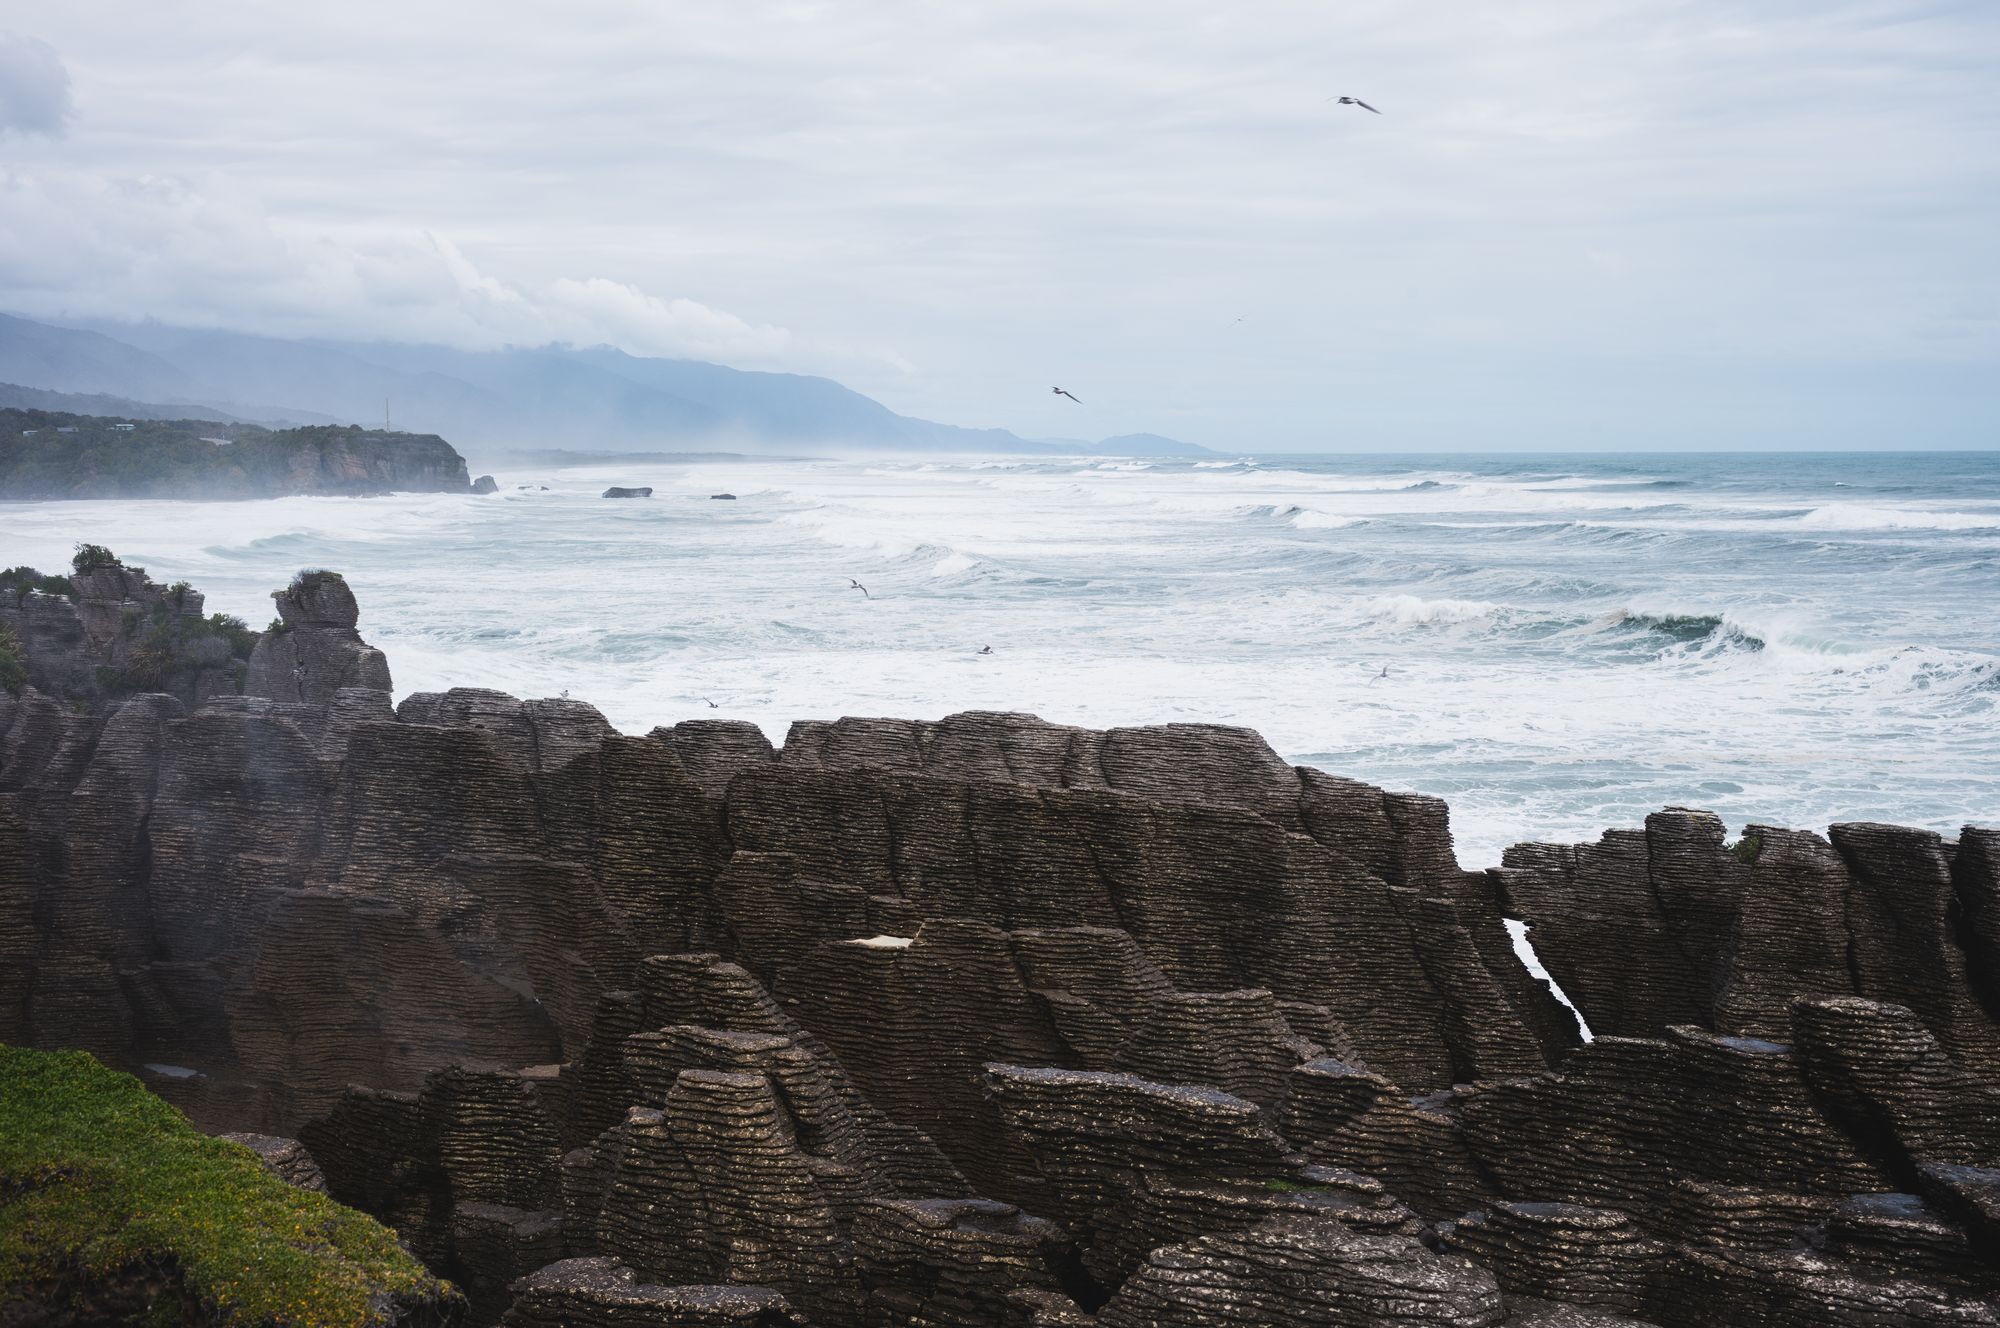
{"x": 34, "y": 87}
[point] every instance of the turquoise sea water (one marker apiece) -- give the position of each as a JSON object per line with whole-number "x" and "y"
{"x": 1571, "y": 641}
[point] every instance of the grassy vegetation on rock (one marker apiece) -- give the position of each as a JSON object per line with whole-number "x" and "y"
{"x": 90, "y": 557}
{"x": 98, "y": 1176}
{"x": 19, "y": 581}
{"x": 13, "y": 670}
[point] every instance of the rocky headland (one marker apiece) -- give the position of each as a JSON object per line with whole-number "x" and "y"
{"x": 55, "y": 455}
{"x": 990, "y": 1021}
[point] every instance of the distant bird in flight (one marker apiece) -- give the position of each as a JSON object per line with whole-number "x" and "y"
{"x": 1353, "y": 101}
{"x": 983, "y": 650}
{"x": 1380, "y": 676}
{"x": 1071, "y": 395}
{"x": 852, "y": 584}
{"x": 711, "y": 705}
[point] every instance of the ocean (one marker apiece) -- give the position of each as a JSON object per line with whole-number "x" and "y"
{"x": 1554, "y": 644}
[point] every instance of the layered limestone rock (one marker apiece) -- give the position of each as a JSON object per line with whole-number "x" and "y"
{"x": 284, "y": 1158}
{"x": 1668, "y": 926}
{"x": 989, "y": 1021}
{"x": 315, "y": 650}
{"x": 108, "y": 632}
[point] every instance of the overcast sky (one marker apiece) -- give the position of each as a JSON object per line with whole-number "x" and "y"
{"x": 1621, "y": 223}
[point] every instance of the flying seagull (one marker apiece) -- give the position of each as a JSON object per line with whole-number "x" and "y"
{"x": 984, "y": 650}
{"x": 711, "y": 705}
{"x": 852, "y": 584}
{"x": 1353, "y": 101}
{"x": 1380, "y": 676}
{"x": 1071, "y": 395}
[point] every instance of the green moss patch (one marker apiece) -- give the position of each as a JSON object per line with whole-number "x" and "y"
{"x": 98, "y": 1176}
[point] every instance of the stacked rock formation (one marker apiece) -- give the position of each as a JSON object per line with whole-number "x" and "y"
{"x": 316, "y": 650}
{"x": 992, "y": 1021}
{"x": 108, "y": 632}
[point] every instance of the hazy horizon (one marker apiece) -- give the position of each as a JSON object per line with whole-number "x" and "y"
{"x": 1740, "y": 227}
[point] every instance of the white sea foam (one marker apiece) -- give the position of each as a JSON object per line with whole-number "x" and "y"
{"x": 1862, "y": 516}
{"x": 1308, "y": 519}
{"x": 1408, "y": 609}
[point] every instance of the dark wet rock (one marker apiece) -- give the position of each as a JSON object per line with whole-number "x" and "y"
{"x": 641, "y": 491}
{"x": 715, "y": 751}
{"x": 1970, "y": 1197}
{"x": 1131, "y": 1164}
{"x": 1344, "y": 1115}
{"x": 285, "y": 1158}
{"x": 1598, "y": 1258}
{"x": 1649, "y": 929}
{"x": 602, "y": 1293}
{"x": 1307, "y": 1271}
{"x": 1882, "y": 1074}
{"x": 723, "y": 497}
{"x": 485, "y": 484}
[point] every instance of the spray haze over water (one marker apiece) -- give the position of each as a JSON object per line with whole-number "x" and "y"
{"x": 1571, "y": 641}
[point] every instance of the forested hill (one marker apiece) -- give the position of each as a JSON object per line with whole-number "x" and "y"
{"x": 54, "y": 454}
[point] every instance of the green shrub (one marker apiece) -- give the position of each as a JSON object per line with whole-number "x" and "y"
{"x": 307, "y": 577}
{"x": 100, "y": 1175}
{"x": 90, "y": 557}
{"x": 13, "y": 669}
{"x": 1747, "y": 848}
{"x": 235, "y": 631}
{"x": 20, "y": 580}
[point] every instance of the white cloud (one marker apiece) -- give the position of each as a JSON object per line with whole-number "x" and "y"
{"x": 34, "y": 86}
{"x": 76, "y": 245}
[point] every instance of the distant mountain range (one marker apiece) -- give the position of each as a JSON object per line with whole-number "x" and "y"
{"x": 485, "y": 402}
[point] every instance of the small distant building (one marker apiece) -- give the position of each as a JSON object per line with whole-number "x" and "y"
{"x": 219, "y": 442}
{"x": 124, "y": 428}
{"x": 66, "y": 428}
{"x": 26, "y": 432}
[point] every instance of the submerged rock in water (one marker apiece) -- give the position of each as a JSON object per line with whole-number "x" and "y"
{"x": 486, "y": 484}
{"x": 719, "y": 497}
{"x": 987, "y": 1020}
{"x": 643, "y": 491}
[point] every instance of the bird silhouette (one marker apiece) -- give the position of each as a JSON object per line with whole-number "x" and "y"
{"x": 984, "y": 650}
{"x": 1353, "y": 101}
{"x": 852, "y": 584}
{"x": 711, "y": 705}
{"x": 1071, "y": 395}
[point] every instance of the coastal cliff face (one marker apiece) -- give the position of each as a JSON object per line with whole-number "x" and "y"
{"x": 992, "y": 1021}
{"x": 53, "y": 455}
